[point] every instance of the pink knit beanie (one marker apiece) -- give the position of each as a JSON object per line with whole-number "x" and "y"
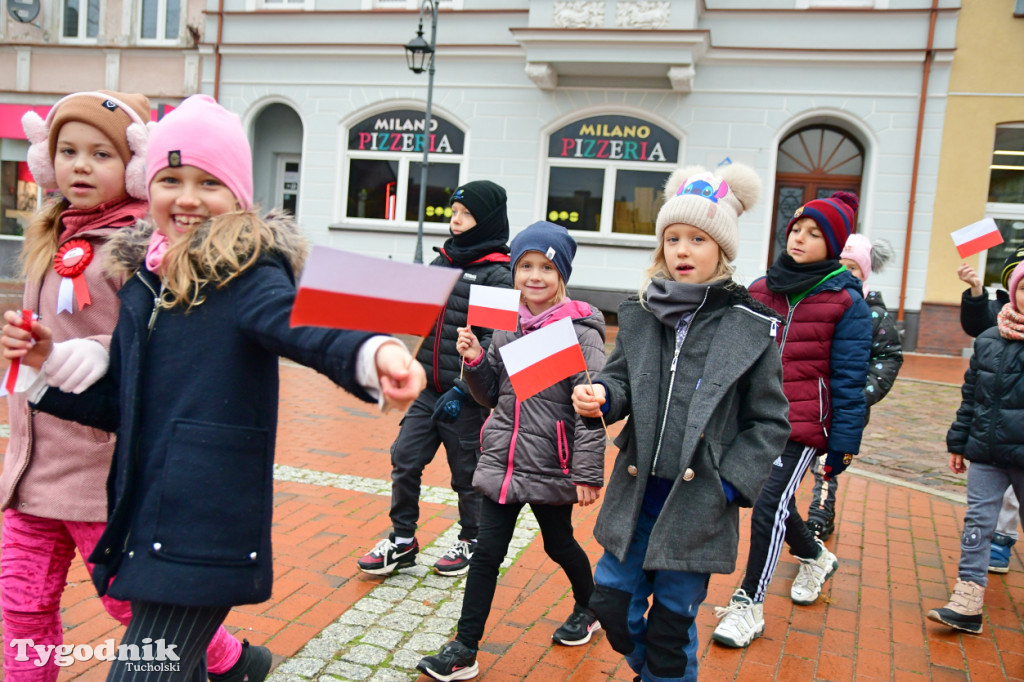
{"x": 858, "y": 249}
{"x": 203, "y": 134}
{"x": 1015, "y": 278}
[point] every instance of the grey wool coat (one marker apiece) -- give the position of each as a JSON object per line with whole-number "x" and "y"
{"x": 736, "y": 426}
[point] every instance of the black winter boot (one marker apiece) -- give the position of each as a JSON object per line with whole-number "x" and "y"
{"x": 252, "y": 666}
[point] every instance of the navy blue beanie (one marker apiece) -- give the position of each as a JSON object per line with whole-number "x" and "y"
{"x": 553, "y": 241}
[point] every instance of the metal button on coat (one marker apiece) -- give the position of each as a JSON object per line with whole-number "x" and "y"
{"x": 253, "y": 556}
{"x": 157, "y": 546}
{"x": 688, "y": 475}
{"x": 631, "y": 469}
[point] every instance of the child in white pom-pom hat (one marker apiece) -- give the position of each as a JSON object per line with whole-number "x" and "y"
{"x": 696, "y": 370}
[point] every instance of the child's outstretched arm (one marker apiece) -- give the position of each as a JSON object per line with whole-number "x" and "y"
{"x": 587, "y": 400}
{"x": 468, "y": 345}
{"x": 483, "y": 370}
{"x": 401, "y": 377}
{"x": 589, "y": 443}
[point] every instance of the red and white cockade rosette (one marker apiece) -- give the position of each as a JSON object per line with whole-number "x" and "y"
{"x": 72, "y": 258}
{"x": 18, "y": 378}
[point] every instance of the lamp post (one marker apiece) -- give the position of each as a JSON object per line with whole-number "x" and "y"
{"x": 417, "y": 51}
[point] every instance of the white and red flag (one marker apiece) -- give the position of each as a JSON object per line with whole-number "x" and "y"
{"x": 977, "y": 237}
{"x": 543, "y": 358}
{"x": 345, "y": 290}
{"x": 493, "y": 307}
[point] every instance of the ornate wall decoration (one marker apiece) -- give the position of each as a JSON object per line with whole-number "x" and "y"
{"x": 642, "y": 14}
{"x": 579, "y": 14}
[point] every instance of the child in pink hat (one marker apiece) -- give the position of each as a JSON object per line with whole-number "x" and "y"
{"x": 192, "y": 387}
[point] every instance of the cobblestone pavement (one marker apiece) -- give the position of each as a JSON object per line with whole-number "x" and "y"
{"x": 897, "y": 541}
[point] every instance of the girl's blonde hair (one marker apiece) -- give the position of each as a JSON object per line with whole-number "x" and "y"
{"x": 658, "y": 269}
{"x": 41, "y": 238}
{"x": 219, "y": 251}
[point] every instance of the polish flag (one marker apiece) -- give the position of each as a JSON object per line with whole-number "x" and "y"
{"x": 344, "y": 290}
{"x": 493, "y": 307}
{"x": 977, "y": 237}
{"x": 543, "y": 358}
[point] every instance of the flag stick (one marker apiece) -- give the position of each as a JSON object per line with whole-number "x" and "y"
{"x": 416, "y": 350}
{"x": 606, "y": 399}
{"x": 462, "y": 367}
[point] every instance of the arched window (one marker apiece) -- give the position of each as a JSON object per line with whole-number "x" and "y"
{"x": 606, "y": 174}
{"x": 813, "y": 162}
{"x": 385, "y": 161}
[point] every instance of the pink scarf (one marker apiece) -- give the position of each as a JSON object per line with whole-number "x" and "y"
{"x": 120, "y": 212}
{"x": 528, "y": 322}
{"x": 1010, "y": 323}
{"x": 158, "y": 244}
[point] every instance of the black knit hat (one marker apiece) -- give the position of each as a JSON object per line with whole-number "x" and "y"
{"x": 481, "y": 197}
{"x": 1011, "y": 262}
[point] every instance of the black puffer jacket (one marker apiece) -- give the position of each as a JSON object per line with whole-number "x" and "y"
{"x": 989, "y": 426}
{"x": 978, "y": 313}
{"x": 438, "y": 354}
{"x": 886, "y": 350}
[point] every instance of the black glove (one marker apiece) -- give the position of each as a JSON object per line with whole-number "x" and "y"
{"x": 449, "y": 405}
{"x": 835, "y": 464}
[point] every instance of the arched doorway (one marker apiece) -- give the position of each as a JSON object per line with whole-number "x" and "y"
{"x": 813, "y": 162}
{"x": 277, "y": 157}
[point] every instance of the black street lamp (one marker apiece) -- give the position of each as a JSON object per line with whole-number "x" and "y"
{"x": 417, "y": 52}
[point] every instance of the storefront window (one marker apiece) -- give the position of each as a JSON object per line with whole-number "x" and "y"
{"x": 1006, "y": 175}
{"x": 17, "y": 197}
{"x": 385, "y": 156}
{"x": 606, "y": 174}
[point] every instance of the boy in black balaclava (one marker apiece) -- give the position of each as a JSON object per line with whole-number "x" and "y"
{"x": 445, "y": 412}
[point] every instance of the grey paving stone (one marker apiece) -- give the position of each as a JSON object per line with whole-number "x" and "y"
{"x": 426, "y": 642}
{"x": 307, "y": 668}
{"x": 387, "y": 639}
{"x": 339, "y": 633}
{"x": 354, "y": 617}
{"x": 346, "y": 671}
{"x": 389, "y": 593}
{"x": 365, "y": 654}
{"x": 416, "y": 608}
{"x": 372, "y": 604}
{"x": 388, "y": 675}
{"x": 396, "y": 620}
{"x": 438, "y": 625}
{"x": 322, "y": 648}
{"x": 404, "y": 658}
{"x": 430, "y": 595}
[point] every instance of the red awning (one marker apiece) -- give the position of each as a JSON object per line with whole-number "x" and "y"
{"x": 10, "y": 118}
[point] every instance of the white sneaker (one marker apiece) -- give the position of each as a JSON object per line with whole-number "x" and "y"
{"x": 812, "y": 575}
{"x": 742, "y": 621}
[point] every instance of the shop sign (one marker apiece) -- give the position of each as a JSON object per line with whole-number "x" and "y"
{"x": 401, "y": 130}
{"x": 614, "y": 138}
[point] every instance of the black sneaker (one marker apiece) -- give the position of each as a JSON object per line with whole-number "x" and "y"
{"x": 456, "y": 560}
{"x": 388, "y": 557}
{"x": 821, "y": 527}
{"x": 578, "y": 628}
{"x": 454, "y": 661}
{"x": 252, "y": 666}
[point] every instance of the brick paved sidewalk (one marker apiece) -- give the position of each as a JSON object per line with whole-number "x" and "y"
{"x": 897, "y": 547}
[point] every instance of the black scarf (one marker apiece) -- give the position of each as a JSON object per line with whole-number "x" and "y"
{"x": 788, "y": 277}
{"x": 489, "y": 235}
{"x": 670, "y": 300}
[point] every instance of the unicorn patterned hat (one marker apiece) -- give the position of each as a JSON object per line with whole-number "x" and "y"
{"x": 711, "y": 201}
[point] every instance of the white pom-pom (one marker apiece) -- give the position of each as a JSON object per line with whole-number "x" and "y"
{"x": 881, "y": 253}
{"x": 743, "y": 182}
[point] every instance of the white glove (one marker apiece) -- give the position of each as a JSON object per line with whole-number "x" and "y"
{"x": 76, "y": 364}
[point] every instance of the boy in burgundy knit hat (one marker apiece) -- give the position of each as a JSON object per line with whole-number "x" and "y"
{"x": 825, "y": 345}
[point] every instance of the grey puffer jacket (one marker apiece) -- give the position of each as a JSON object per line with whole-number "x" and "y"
{"x": 538, "y": 450}
{"x": 735, "y": 426}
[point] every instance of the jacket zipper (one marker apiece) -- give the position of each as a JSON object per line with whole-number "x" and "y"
{"x": 563, "y": 446}
{"x": 672, "y": 381}
{"x": 156, "y": 307}
{"x": 774, "y": 321}
{"x": 511, "y": 458}
{"x": 785, "y": 333}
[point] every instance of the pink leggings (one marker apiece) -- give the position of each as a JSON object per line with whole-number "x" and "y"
{"x": 34, "y": 566}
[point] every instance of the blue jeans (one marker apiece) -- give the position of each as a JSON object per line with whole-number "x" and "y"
{"x": 666, "y": 640}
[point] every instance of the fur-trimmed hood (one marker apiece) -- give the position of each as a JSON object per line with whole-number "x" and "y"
{"x": 125, "y": 252}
